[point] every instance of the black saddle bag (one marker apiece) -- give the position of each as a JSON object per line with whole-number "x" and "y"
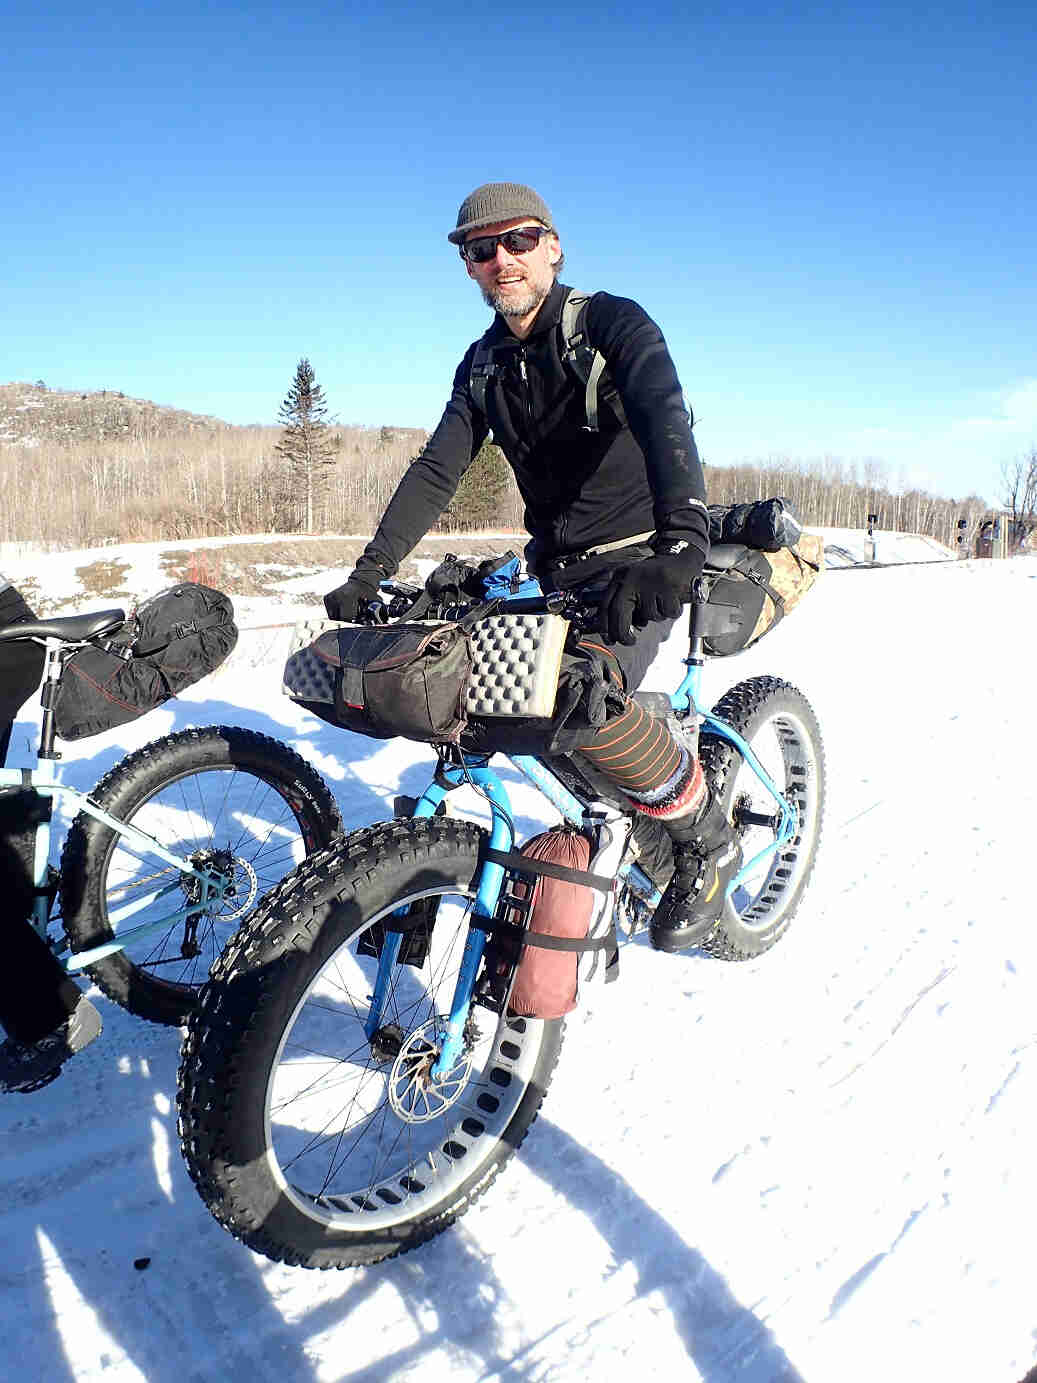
{"x": 169, "y": 642}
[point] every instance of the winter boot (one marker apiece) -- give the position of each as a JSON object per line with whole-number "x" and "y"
{"x": 26, "y": 1066}
{"x": 706, "y": 855}
{"x": 652, "y": 848}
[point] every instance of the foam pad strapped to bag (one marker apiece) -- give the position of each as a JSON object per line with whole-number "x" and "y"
{"x": 422, "y": 680}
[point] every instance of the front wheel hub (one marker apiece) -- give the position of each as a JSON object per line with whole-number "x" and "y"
{"x": 386, "y": 1043}
{"x": 415, "y": 1097}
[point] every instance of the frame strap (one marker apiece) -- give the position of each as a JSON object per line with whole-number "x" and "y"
{"x": 543, "y": 940}
{"x": 524, "y": 864}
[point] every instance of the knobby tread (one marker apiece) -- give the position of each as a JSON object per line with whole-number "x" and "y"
{"x": 85, "y": 852}
{"x": 251, "y": 986}
{"x": 720, "y": 763}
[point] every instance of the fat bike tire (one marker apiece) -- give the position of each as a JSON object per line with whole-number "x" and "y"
{"x": 220, "y": 796}
{"x": 782, "y": 729}
{"x": 304, "y": 1135}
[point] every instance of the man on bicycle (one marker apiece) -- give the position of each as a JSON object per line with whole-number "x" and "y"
{"x": 615, "y": 499}
{"x": 45, "y": 1014}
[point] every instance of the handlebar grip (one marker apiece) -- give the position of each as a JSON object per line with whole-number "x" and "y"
{"x": 404, "y": 588}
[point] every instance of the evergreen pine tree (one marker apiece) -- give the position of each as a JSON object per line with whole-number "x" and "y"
{"x": 482, "y": 493}
{"x": 306, "y": 445}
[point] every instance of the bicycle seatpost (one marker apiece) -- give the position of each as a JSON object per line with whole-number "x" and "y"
{"x": 696, "y": 624}
{"x": 48, "y": 696}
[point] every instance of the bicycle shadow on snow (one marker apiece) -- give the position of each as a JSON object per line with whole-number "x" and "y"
{"x": 452, "y": 1281}
{"x": 201, "y": 1309}
{"x": 91, "y": 1181}
{"x": 723, "y": 1338}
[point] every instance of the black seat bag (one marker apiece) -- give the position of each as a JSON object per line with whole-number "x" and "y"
{"x": 171, "y": 641}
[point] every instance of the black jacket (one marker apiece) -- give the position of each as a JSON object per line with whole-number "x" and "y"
{"x": 581, "y": 489}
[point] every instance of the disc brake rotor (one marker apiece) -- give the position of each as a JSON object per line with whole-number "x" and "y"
{"x": 415, "y": 1097}
{"x": 237, "y": 876}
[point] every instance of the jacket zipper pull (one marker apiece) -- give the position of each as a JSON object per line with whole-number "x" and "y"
{"x": 525, "y": 383}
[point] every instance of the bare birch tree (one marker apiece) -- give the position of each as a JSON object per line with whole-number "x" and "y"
{"x": 1019, "y": 487}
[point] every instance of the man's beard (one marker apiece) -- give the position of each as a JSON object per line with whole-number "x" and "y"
{"x": 516, "y": 307}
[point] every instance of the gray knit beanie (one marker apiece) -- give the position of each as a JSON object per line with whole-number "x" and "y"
{"x": 498, "y": 201}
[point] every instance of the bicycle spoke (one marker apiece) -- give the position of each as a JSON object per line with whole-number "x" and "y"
{"x": 213, "y": 814}
{"x": 333, "y": 1124}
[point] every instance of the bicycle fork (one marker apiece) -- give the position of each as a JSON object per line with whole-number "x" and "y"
{"x": 612, "y": 828}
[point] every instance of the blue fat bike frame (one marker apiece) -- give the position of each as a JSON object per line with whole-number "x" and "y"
{"x": 43, "y": 778}
{"x": 474, "y": 769}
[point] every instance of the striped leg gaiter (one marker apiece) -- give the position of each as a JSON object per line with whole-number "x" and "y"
{"x": 638, "y": 753}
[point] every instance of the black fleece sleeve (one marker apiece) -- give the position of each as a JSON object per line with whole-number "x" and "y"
{"x": 432, "y": 478}
{"x": 643, "y": 372}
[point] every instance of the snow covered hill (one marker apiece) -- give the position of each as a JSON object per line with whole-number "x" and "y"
{"x": 813, "y": 1167}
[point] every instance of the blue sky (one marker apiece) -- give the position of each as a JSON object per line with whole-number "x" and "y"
{"x": 830, "y": 211}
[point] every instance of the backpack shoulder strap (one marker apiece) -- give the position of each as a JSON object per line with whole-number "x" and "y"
{"x": 572, "y": 318}
{"x": 482, "y": 370}
{"x": 585, "y": 359}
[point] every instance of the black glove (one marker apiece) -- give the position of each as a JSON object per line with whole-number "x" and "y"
{"x": 654, "y": 589}
{"x": 345, "y": 602}
{"x": 448, "y": 580}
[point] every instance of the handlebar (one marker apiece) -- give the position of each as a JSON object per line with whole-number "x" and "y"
{"x": 404, "y": 596}
{"x": 579, "y": 608}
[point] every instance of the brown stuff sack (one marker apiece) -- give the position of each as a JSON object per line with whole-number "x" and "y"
{"x": 545, "y": 981}
{"x": 386, "y": 680}
{"x": 794, "y": 574}
{"x": 740, "y": 607}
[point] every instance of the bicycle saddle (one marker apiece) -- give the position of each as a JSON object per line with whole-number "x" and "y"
{"x": 71, "y": 628}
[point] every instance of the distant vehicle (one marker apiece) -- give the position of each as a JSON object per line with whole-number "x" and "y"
{"x": 1003, "y": 537}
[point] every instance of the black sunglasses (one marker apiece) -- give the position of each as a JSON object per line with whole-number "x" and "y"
{"x": 517, "y": 242}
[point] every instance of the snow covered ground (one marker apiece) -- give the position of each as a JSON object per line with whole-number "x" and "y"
{"x": 814, "y": 1167}
{"x": 846, "y": 546}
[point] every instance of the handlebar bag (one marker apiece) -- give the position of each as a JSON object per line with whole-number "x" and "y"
{"x": 749, "y": 598}
{"x": 386, "y": 680}
{"x": 505, "y": 666}
{"x": 171, "y": 641}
